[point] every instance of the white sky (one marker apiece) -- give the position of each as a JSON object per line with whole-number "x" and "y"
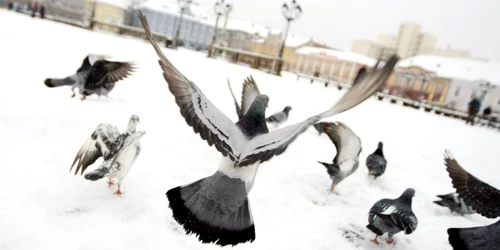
{"x": 465, "y": 24}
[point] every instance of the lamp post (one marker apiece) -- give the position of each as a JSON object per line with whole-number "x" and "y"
{"x": 291, "y": 11}
{"x": 425, "y": 78}
{"x": 220, "y": 8}
{"x": 183, "y": 5}
{"x": 409, "y": 76}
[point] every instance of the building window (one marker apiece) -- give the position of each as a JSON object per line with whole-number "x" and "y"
{"x": 457, "y": 91}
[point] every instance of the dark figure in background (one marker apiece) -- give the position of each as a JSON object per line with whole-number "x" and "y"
{"x": 42, "y": 11}
{"x": 33, "y": 8}
{"x": 474, "y": 106}
{"x": 11, "y": 5}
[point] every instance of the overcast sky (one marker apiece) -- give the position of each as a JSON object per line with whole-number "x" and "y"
{"x": 463, "y": 24}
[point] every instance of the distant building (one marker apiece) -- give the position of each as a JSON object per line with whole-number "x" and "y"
{"x": 409, "y": 41}
{"x": 195, "y": 31}
{"x": 109, "y": 11}
{"x": 449, "y": 52}
{"x": 329, "y": 64}
{"x": 453, "y": 81}
{"x": 239, "y": 34}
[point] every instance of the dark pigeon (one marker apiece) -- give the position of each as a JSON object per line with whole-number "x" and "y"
{"x": 454, "y": 203}
{"x": 95, "y": 76}
{"x": 216, "y": 208}
{"x": 484, "y": 199}
{"x": 393, "y": 216}
{"x": 348, "y": 146}
{"x": 376, "y": 162}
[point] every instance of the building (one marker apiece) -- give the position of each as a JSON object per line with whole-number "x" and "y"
{"x": 451, "y": 82}
{"x": 109, "y": 11}
{"x": 271, "y": 44}
{"x": 410, "y": 41}
{"x": 195, "y": 32}
{"x": 239, "y": 34}
{"x": 339, "y": 66}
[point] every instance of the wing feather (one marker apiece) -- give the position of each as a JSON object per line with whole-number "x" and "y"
{"x": 104, "y": 72}
{"x": 239, "y": 112}
{"x": 249, "y": 93}
{"x": 482, "y": 197}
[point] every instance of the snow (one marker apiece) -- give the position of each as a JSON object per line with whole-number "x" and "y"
{"x": 41, "y": 129}
{"x": 341, "y": 55}
{"x": 458, "y": 68}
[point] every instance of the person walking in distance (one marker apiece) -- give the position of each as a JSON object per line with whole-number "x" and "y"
{"x": 474, "y": 107}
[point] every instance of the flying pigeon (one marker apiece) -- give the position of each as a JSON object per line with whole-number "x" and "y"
{"x": 279, "y": 118}
{"x": 119, "y": 152}
{"x": 348, "y": 147}
{"x": 216, "y": 208}
{"x": 393, "y": 216}
{"x": 484, "y": 199}
{"x": 376, "y": 162}
{"x": 454, "y": 203}
{"x": 319, "y": 127}
{"x": 95, "y": 76}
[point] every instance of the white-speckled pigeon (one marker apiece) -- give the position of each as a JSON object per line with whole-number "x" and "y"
{"x": 393, "y": 216}
{"x": 119, "y": 152}
{"x": 95, "y": 76}
{"x": 483, "y": 198}
{"x": 216, "y": 208}
{"x": 376, "y": 162}
{"x": 454, "y": 203}
{"x": 348, "y": 147}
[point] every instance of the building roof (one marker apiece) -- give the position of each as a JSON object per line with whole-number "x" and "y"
{"x": 456, "y": 68}
{"x": 342, "y": 55}
{"x": 248, "y": 27}
{"x": 293, "y": 41}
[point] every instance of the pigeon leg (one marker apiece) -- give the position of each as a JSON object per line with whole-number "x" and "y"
{"x": 83, "y": 97}
{"x": 390, "y": 241}
{"x": 73, "y": 91}
{"x": 110, "y": 183}
{"x": 118, "y": 192}
{"x": 332, "y": 187}
{"x": 375, "y": 240}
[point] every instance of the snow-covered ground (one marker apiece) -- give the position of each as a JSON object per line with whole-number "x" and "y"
{"x": 43, "y": 206}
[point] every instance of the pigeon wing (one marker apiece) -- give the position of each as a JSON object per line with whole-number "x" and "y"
{"x": 104, "y": 72}
{"x": 405, "y": 220}
{"x": 100, "y": 143}
{"x": 206, "y": 119}
{"x": 346, "y": 142}
{"x": 239, "y": 112}
{"x": 483, "y": 198}
{"x": 249, "y": 93}
{"x": 264, "y": 147}
{"x": 85, "y": 65}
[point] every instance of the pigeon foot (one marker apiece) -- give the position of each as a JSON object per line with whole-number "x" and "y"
{"x": 375, "y": 240}
{"x": 119, "y": 191}
{"x": 73, "y": 95}
{"x": 332, "y": 187}
{"x": 110, "y": 183}
{"x": 83, "y": 97}
{"x": 390, "y": 241}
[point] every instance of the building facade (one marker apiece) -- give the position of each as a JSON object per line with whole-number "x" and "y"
{"x": 463, "y": 91}
{"x": 339, "y": 66}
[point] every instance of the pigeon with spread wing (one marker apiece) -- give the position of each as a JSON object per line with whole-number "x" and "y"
{"x": 118, "y": 150}
{"x": 484, "y": 199}
{"x": 216, "y": 208}
{"x": 96, "y": 75}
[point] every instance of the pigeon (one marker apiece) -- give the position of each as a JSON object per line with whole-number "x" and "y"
{"x": 95, "y": 76}
{"x": 216, "y": 208}
{"x": 250, "y": 91}
{"x": 393, "y": 216}
{"x": 319, "y": 127}
{"x": 376, "y": 162}
{"x": 119, "y": 152}
{"x": 348, "y": 147}
{"x": 454, "y": 203}
{"x": 484, "y": 199}
{"x": 279, "y": 118}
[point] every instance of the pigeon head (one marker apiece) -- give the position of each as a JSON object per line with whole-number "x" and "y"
{"x": 259, "y": 105}
{"x": 380, "y": 145}
{"x": 134, "y": 120}
{"x": 287, "y": 109}
{"x": 407, "y": 195}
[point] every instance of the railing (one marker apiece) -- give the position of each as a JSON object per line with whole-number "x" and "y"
{"x": 255, "y": 60}
{"x": 427, "y": 107}
{"x": 129, "y": 30}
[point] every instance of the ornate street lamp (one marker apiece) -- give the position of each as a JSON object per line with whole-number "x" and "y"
{"x": 183, "y": 5}
{"x": 291, "y": 11}
{"x": 220, "y": 8}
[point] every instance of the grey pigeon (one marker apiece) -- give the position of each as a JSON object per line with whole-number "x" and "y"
{"x": 319, "y": 127}
{"x": 393, "y": 216}
{"x": 376, "y": 162}
{"x": 454, "y": 203}
{"x": 484, "y": 199}
{"x": 95, "y": 76}
{"x": 279, "y": 118}
{"x": 249, "y": 93}
{"x": 119, "y": 151}
{"x": 216, "y": 208}
{"x": 348, "y": 147}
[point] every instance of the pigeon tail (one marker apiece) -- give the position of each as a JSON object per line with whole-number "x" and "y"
{"x": 332, "y": 169}
{"x": 97, "y": 174}
{"x": 201, "y": 210}
{"x": 374, "y": 229}
{"x": 456, "y": 240}
{"x": 51, "y": 83}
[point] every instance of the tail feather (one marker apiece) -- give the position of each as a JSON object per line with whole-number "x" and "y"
{"x": 332, "y": 169}
{"x": 456, "y": 240}
{"x": 51, "y": 83}
{"x": 97, "y": 174}
{"x": 213, "y": 217}
{"x": 374, "y": 229}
